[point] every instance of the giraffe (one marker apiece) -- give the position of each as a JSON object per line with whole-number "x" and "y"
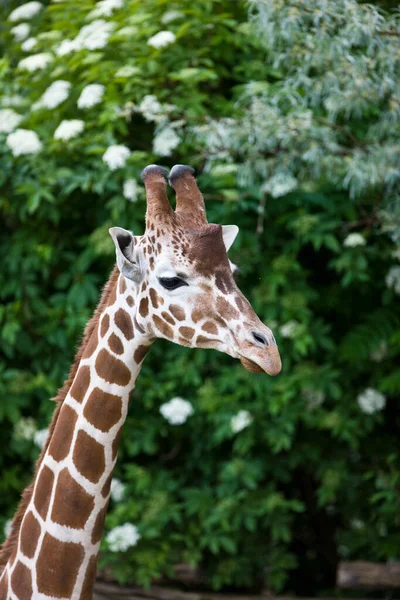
{"x": 174, "y": 282}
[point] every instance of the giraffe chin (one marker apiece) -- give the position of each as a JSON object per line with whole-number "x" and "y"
{"x": 272, "y": 366}
{"x": 251, "y": 366}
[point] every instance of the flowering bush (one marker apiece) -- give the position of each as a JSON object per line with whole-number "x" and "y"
{"x": 243, "y": 475}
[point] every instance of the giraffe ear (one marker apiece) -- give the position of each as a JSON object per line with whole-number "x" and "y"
{"x": 229, "y": 233}
{"x": 125, "y": 251}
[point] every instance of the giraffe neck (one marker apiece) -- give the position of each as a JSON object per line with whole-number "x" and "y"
{"x": 59, "y": 538}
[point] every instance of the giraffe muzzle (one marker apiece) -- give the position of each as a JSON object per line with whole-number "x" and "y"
{"x": 269, "y": 362}
{"x": 261, "y": 355}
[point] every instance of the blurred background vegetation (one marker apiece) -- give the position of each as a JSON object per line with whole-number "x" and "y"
{"x": 290, "y": 113}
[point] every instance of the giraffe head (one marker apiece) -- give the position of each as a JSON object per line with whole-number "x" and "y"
{"x": 182, "y": 280}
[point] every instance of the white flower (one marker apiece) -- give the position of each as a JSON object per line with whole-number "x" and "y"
{"x": 95, "y": 35}
{"x": 9, "y": 120}
{"x": 69, "y": 128}
{"x": 288, "y": 329}
{"x": 23, "y": 141}
{"x": 105, "y": 8}
{"x": 36, "y": 61}
{"x": 280, "y": 184}
{"x": 392, "y": 279}
{"x": 66, "y": 47}
{"x": 162, "y": 39}
{"x": 127, "y": 71}
{"x": 354, "y": 239}
{"x": 92, "y": 36}
{"x": 117, "y": 490}
{"x": 380, "y": 352}
{"x": 396, "y": 254}
{"x": 7, "y": 528}
{"x": 221, "y": 170}
{"x": 91, "y": 95}
{"x": 29, "y": 44}
{"x": 165, "y": 141}
{"x": 128, "y": 31}
{"x": 176, "y": 411}
{"x": 123, "y": 537}
{"x": 371, "y": 401}
{"x": 12, "y": 100}
{"x": 55, "y": 94}
{"x": 357, "y": 524}
{"x": 40, "y": 437}
{"x": 25, "y": 11}
{"x": 313, "y": 397}
{"x": 131, "y": 189}
{"x": 150, "y": 107}
{"x": 171, "y": 15}
{"x": 116, "y": 156}
{"x": 20, "y": 32}
{"x": 240, "y": 421}
{"x": 25, "y": 429}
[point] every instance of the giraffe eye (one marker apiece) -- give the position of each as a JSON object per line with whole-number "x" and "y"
{"x": 172, "y": 283}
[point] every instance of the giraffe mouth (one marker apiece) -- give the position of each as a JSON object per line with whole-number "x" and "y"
{"x": 250, "y": 365}
{"x": 268, "y": 361}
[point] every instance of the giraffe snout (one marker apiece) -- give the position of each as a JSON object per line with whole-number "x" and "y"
{"x": 259, "y": 353}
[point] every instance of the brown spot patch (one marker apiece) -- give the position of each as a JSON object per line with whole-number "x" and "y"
{"x": 72, "y": 504}
{"x": 4, "y": 586}
{"x": 43, "y": 491}
{"x": 91, "y": 345}
{"x": 122, "y": 284}
{"x": 99, "y": 525}
{"x": 168, "y": 317}
{"x": 183, "y": 342}
{"x": 103, "y": 410}
{"x": 112, "y": 369}
{"x": 165, "y": 329}
{"x": 207, "y": 250}
{"x": 144, "y": 307}
{"x": 81, "y": 384}
{"x": 210, "y": 327}
{"x": 30, "y": 533}
{"x": 115, "y": 344}
{"x": 124, "y": 322}
{"x": 187, "y": 332}
{"x": 58, "y": 566}
{"x": 105, "y": 323}
{"x": 21, "y": 582}
{"x": 138, "y": 327}
{"x": 226, "y": 310}
{"x": 140, "y": 353}
{"x": 154, "y": 297}
{"x": 88, "y": 457}
{"x": 61, "y": 439}
{"x": 115, "y": 444}
{"x": 241, "y": 303}
{"x": 107, "y": 486}
{"x": 201, "y": 339}
{"x": 177, "y": 311}
{"x": 130, "y": 301}
{"x": 90, "y": 577}
{"x": 151, "y": 262}
{"x": 113, "y": 294}
{"x": 224, "y": 281}
{"x": 197, "y": 315}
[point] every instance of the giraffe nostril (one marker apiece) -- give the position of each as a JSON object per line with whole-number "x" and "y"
{"x": 260, "y": 338}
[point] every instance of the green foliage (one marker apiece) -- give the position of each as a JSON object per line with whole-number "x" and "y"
{"x": 314, "y": 476}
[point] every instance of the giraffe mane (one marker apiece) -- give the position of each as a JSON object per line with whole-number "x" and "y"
{"x": 6, "y": 549}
